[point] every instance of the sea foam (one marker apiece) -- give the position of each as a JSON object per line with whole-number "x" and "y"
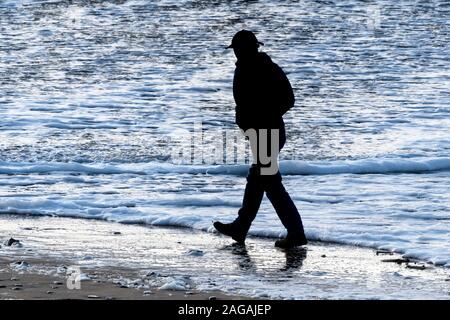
{"x": 287, "y": 167}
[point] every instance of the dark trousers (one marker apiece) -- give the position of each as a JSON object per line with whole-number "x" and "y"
{"x": 272, "y": 185}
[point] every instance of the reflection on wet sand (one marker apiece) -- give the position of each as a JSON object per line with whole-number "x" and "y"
{"x": 294, "y": 257}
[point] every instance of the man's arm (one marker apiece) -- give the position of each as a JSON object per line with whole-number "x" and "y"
{"x": 284, "y": 93}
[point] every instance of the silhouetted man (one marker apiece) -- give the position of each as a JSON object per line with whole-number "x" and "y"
{"x": 263, "y": 95}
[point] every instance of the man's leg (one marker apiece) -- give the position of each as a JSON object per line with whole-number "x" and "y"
{"x": 253, "y": 196}
{"x": 284, "y": 206}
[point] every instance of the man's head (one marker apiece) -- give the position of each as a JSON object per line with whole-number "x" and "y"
{"x": 245, "y": 44}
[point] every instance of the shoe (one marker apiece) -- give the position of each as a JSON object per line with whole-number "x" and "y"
{"x": 233, "y": 230}
{"x": 291, "y": 242}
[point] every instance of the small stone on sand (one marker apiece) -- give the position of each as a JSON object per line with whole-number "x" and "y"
{"x": 416, "y": 267}
{"x": 12, "y": 242}
{"x": 383, "y": 252}
{"x": 398, "y": 261}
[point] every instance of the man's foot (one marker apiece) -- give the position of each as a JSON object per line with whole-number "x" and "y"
{"x": 291, "y": 242}
{"x": 233, "y": 230}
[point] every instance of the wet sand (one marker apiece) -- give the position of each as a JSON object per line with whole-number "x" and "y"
{"x": 119, "y": 261}
{"x": 35, "y": 285}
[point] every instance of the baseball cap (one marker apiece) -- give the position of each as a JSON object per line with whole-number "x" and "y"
{"x": 244, "y": 37}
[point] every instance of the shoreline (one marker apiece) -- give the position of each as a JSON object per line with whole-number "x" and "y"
{"x": 119, "y": 261}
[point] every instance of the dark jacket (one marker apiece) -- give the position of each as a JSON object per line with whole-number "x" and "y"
{"x": 262, "y": 93}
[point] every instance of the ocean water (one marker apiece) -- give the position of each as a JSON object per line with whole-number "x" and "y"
{"x": 95, "y": 96}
